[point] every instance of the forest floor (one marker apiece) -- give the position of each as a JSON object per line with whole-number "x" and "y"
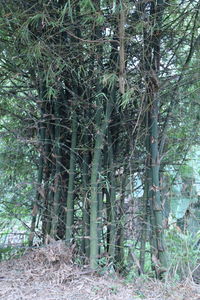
{"x": 48, "y": 273}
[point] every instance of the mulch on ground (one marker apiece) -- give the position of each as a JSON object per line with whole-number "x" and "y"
{"x": 48, "y": 273}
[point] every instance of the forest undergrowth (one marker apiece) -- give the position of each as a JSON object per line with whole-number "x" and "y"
{"x": 50, "y": 272}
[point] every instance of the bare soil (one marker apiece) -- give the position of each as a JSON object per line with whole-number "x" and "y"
{"x": 49, "y": 273}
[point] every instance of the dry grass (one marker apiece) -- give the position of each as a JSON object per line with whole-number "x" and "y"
{"x": 48, "y": 273}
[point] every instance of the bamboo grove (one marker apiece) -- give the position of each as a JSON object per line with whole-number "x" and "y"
{"x": 100, "y": 85}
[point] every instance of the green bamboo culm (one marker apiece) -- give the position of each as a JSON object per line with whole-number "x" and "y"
{"x": 36, "y": 200}
{"x": 99, "y": 141}
{"x": 57, "y": 175}
{"x": 85, "y": 208}
{"x": 70, "y": 193}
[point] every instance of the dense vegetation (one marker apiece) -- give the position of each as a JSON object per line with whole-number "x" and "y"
{"x": 99, "y": 120}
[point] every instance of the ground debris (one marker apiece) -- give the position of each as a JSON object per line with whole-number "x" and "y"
{"x": 49, "y": 273}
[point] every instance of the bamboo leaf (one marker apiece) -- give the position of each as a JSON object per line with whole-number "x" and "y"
{"x": 109, "y": 80}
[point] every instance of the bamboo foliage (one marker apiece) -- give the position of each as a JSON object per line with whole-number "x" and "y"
{"x": 98, "y": 74}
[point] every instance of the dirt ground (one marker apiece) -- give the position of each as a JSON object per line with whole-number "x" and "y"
{"x": 49, "y": 274}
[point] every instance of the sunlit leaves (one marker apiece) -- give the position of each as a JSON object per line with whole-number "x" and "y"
{"x": 109, "y": 80}
{"x": 87, "y": 6}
